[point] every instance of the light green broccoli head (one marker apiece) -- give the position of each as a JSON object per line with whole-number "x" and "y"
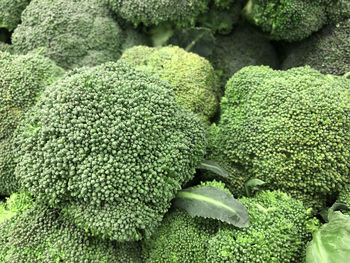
{"x": 289, "y": 129}
{"x": 154, "y": 12}
{"x": 327, "y": 50}
{"x": 72, "y": 33}
{"x": 191, "y": 76}
{"x": 42, "y": 234}
{"x": 292, "y": 20}
{"x": 10, "y": 13}
{"x": 278, "y": 232}
{"x": 22, "y": 79}
{"x": 117, "y": 148}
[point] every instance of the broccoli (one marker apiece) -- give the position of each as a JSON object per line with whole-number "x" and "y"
{"x": 294, "y": 20}
{"x": 289, "y": 129}
{"x": 73, "y": 33}
{"x": 154, "y": 12}
{"x": 36, "y": 233}
{"x": 327, "y": 51}
{"x": 4, "y": 47}
{"x": 22, "y": 79}
{"x": 16, "y": 203}
{"x": 192, "y": 77}
{"x": 278, "y": 232}
{"x": 111, "y": 147}
{"x": 10, "y": 13}
{"x": 344, "y": 197}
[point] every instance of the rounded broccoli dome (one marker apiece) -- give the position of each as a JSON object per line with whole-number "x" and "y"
{"x": 73, "y": 33}
{"x": 154, "y": 12}
{"x": 191, "y": 76}
{"x": 327, "y": 50}
{"x": 42, "y": 234}
{"x": 291, "y": 20}
{"x": 278, "y": 232}
{"x": 111, "y": 146}
{"x": 288, "y": 128}
{"x": 10, "y": 12}
{"x": 22, "y": 79}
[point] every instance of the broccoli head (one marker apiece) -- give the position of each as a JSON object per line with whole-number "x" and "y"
{"x": 116, "y": 148}
{"x": 10, "y": 13}
{"x": 73, "y": 33}
{"x": 36, "y": 233}
{"x": 22, "y": 79}
{"x": 327, "y": 50}
{"x": 191, "y": 76}
{"x": 288, "y": 128}
{"x": 278, "y": 232}
{"x": 154, "y": 12}
{"x": 293, "y": 20}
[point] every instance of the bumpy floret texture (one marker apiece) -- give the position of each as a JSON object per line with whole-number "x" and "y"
{"x": 42, "y": 234}
{"x": 327, "y": 51}
{"x": 73, "y": 33}
{"x": 278, "y": 232}
{"x": 10, "y": 12}
{"x": 154, "y": 12}
{"x": 191, "y": 76}
{"x": 344, "y": 197}
{"x": 22, "y": 79}
{"x": 293, "y": 20}
{"x": 116, "y": 148}
{"x": 4, "y": 47}
{"x": 289, "y": 129}
{"x": 16, "y": 203}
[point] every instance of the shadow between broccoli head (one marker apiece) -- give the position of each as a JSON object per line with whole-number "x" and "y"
{"x": 111, "y": 147}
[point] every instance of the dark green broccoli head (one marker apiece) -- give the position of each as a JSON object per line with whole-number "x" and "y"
{"x": 41, "y": 234}
{"x": 278, "y": 232}
{"x": 288, "y": 128}
{"x": 244, "y": 47}
{"x": 117, "y": 148}
{"x": 327, "y": 50}
{"x": 10, "y": 12}
{"x": 344, "y": 197}
{"x": 191, "y": 76}
{"x": 154, "y": 12}
{"x": 293, "y": 20}
{"x": 73, "y": 33}
{"x": 22, "y": 79}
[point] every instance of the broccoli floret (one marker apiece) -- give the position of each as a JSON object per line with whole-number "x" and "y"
{"x": 111, "y": 147}
{"x": 293, "y": 20}
{"x": 10, "y": 13}
{"x": 4, "y": 47}
{"x": 22, "y": 79}
{"x": 327, "y": 51}
{"x": 289, "y": 129}
{"x": 191, "y": 76}
{"x": 244, "y": 47}
{"x": 15, "y": 204}
{"x": 154, "y": 12}
{"x": 344, "y": 197}
{"x": 278, "y": 232}
{"x": 73, "y": 33}
{"x": 42, "y": 234}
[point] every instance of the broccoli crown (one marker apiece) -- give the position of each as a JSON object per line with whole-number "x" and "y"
{"x": 154, "y": 12}
{"x": 278, "y": 232}
{"x": 243, "y": 47}
{"x": 116, "y": 148}
{"x": 22, "y": 78}
{"x": 293, "y": 20}
{"x": 16, "y": 203}
{"x": 73, "y": 33}
{"x": 191, "y": 76}
{"x": 42, "y": 234}
{"x": 289, "y": 129}
{"x": 327, "y": 51}
{"x": 10, "y": 12}
{"x": 344, "y": 197}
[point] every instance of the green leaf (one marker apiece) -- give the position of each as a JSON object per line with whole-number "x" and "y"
{"x": 252, "y": 184}
{"x": 212, "y": 202}
{"x": 331, "y": 243}
{"x": 213, "y": 167}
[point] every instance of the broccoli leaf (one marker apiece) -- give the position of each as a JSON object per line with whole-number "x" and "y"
{"x": 212, "y": 202}
{"x": 330, "y": 243}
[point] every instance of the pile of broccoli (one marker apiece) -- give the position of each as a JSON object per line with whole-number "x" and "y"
{"x": 172, "y": 131}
